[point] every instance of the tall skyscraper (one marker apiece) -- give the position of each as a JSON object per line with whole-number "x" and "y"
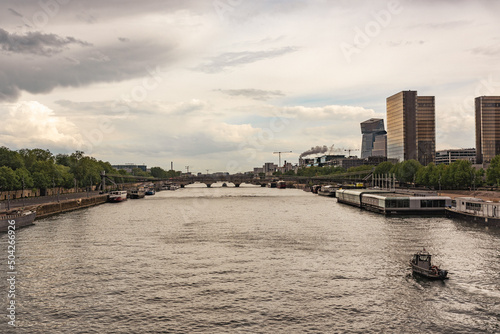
{"x": 487, "y": 128}
{"x": 371, "y": 130}
{"x": 411, "y": 127}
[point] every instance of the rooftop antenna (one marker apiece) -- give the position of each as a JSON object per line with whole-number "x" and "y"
{"x": 279, "y": 155}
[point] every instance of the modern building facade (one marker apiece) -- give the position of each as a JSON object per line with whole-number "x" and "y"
{"x": 411, "y": 127}
{"x": 371, "y": 130}
{"x": 449, "y": 156}
{"x": 487, "y": 128}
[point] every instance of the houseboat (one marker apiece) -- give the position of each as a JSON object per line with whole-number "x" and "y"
{"x": 16, "y": 219}
{"x": 327, "y": 191}
{"x": 281, "y": 184}
{"x": 421, "y": 265}
{"x": 475, "y": 210}
{"x": 117, "y": 196}
{"x": 389, "y": 203}
{"x": 136, "y": 193}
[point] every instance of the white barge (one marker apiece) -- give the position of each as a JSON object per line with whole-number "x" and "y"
{"x": 475, "y": 210}
{"x": 389, "y": 203}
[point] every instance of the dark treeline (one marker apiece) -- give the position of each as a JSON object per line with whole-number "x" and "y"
{"x": 38, "y": 168}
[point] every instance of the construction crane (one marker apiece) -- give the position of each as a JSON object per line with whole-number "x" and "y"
{"x": 349, "y": 150}
{"x": 279, "y": 155}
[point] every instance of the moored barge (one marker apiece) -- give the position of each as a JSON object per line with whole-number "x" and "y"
{"x": 390, "y": 203}
{"x": 475, "y": 210}
{"x": 17, "y": 219}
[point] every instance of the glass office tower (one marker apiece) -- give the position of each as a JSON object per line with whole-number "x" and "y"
{"x": 487, "y": 128}
{"x": 371, "y": 130}
{"x": 411, "y": 127}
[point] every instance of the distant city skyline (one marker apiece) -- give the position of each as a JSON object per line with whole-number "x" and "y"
{"x": 221, "y": 85}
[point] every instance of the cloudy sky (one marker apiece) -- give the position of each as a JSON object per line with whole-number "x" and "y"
{"x": 222, "y": 84}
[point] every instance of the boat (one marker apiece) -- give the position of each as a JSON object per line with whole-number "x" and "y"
{"x": 391, "y": 203}
{"x": 117, "y": 196}
{"x": 136, "y": 193}
{"x": 475, "y": 210}
{"x": 272, "y": 184}
{"x": 16, "y": 219}
{"x": 327, "y": 191}
{"x": 281, "y": 184}
{"x": 315, "y": 188}
{"x": 421, "y": 265}
{"x": 150, "y": 192}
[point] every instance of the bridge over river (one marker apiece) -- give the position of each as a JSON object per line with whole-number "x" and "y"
{"x": 237, "y": 179}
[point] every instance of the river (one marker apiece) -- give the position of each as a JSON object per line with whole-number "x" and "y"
{"x": 248, "y": 260}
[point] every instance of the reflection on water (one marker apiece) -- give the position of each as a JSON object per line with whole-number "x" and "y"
{"x": 250, "y": 259}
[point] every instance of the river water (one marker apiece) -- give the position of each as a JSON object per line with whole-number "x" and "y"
{"x": 248, "y": 260}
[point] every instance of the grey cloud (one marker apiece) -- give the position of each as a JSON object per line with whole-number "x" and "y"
{"x": 123, "y": 39}
{"x": 110, "y": 64}
{"x": 36, "y": 43}
{"x": 256, "y": 94}
{"x": 232, "y": 59}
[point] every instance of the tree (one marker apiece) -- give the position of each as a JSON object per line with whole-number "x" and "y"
{"x": 158, "y": 172}
{"x": 493, "y": 171}
{"x": 383, "y": 168}
{"x": 8, "y": 179}
{"x": 408, "y": 171}
{"x": 34, "y": 155}
{"x": 10, "y": 159}
{"x": 424, "y": 174}
{"x": 461, "y": 174}
{"x": 24, "y": 176}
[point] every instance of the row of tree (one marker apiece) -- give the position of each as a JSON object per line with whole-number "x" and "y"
{"x": 38, "y": 168}
{"x": 458, "y": 175}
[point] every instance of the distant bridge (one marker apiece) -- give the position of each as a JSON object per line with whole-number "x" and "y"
{"x": 238, "y": 179}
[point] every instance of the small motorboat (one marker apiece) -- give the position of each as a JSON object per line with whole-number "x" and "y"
{"x": 421, "y": 265}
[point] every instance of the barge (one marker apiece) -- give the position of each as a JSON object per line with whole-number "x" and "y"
{"x": 16, "y": 219}
{"x": 475, "y": 210}
{"x": 328, "y": 191}
{"x": 390, "y": 203}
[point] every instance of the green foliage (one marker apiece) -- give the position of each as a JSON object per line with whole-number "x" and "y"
{"x": 383, "y": 168}
{"x": 39, "y": 168}
{"x": 24, "y": 176}
{"x": 160, "y": 173}
{"x": 8, "y": 179}
{"x": 10, "y": 159}
{"x": 361, "y": 168}
{"x": 408, "y": 171}
{"x": 493, "y": 171}
{"x": 318, "y": 171}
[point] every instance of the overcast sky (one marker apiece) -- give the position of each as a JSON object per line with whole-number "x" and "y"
{"x": 221, "y": 85}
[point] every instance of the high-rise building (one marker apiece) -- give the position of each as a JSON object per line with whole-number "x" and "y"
{"x": 411, "y": 127}
{"x": 487, "y": 128}
{"x": 371, "y": 130}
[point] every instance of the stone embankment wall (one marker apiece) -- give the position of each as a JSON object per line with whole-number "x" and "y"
{"x": 44, "y": 210}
